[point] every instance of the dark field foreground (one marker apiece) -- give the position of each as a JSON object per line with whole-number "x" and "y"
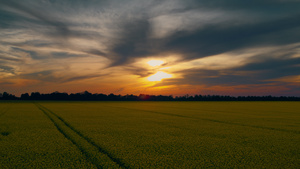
{"x": 149, "y": 135}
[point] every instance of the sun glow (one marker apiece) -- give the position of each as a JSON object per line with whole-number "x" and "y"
{"x": 159, "y": 76}
{"x": 155, "y": 62}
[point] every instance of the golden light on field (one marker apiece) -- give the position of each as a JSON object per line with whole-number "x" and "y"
{"x": 155, "y": 62}
{"x": 159, "y": 76}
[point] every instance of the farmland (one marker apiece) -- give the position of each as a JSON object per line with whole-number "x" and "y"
{"x": 149, "y": 134}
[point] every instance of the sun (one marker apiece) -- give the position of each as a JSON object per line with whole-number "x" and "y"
{"x": 155, "y": 62}
{"x": 159, "y": 76}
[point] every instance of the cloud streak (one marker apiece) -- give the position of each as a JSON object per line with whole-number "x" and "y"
{"x": 264, "y": 37}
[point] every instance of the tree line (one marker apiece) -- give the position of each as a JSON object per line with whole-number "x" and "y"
{"x": 87, "y": 96}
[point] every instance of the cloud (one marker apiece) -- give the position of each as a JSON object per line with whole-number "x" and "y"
{"x": 4, "y": 68}
{"x": 61, "y": 28}
{"x": 83, "y": 77}
{"x": 132, "y": 43}
{"x": 54, "y": 76}
{"x": 215, "y": 39}
{"x": 8, "y": 58}
{"x": 60, "y": 55}
{"x": 261, "y": 72}
{"x": 39, "y": 36}
{"x": 192, "y": 28}
{"x": 199, "y": 33}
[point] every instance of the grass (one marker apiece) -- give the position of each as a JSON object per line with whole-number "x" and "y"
{"x": 150, "y": 135}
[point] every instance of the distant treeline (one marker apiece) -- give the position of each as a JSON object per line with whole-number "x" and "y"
{"x": 86, "y": 96}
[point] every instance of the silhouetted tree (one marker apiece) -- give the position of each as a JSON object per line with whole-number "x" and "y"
{"x": 25, "y": 96}
{"x": 7, "y": 96}
{"x": 35, "y": 96}
{"x": 142, "y": 97}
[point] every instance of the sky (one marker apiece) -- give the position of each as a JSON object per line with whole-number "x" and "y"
{"x": 168, "y": 47}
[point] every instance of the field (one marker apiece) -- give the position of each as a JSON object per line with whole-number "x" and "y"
{"x": 149, "y": 135}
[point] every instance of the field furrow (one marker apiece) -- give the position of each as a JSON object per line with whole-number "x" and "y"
{"x": 150, "y": 135}
{"x": 207, "y": 119}
{"x": 28, "y": 139}
{"x": 155, "y": 135}
{"x": 94, "y": 153}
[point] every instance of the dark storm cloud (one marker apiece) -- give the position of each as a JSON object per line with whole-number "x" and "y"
{"x": 260, "y": 72}
{"x": 55, "y": 27}
{"x": 7, "y": 18}
{"x": 61, "y": 28}
{"x": 133, "y": 42}
{"x": 215, "y": 39}
{"x": 263, "y": 6}
{"x": 122, "y": 31}
{"x": 270, "y": 64}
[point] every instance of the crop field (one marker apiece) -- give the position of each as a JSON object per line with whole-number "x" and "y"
{"x": 149, "y": 135}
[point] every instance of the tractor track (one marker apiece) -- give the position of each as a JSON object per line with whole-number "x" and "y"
{"x": 212, "y": 120}
{"x": 93, "y": 152}
{"x": 4, "y": 111}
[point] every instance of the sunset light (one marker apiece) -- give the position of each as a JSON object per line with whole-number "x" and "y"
{"x": 149, "y": 84}
{"x": 159, "y": 76}
{"x": 155, "y": 62}
{"x": 127, "y": 48}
